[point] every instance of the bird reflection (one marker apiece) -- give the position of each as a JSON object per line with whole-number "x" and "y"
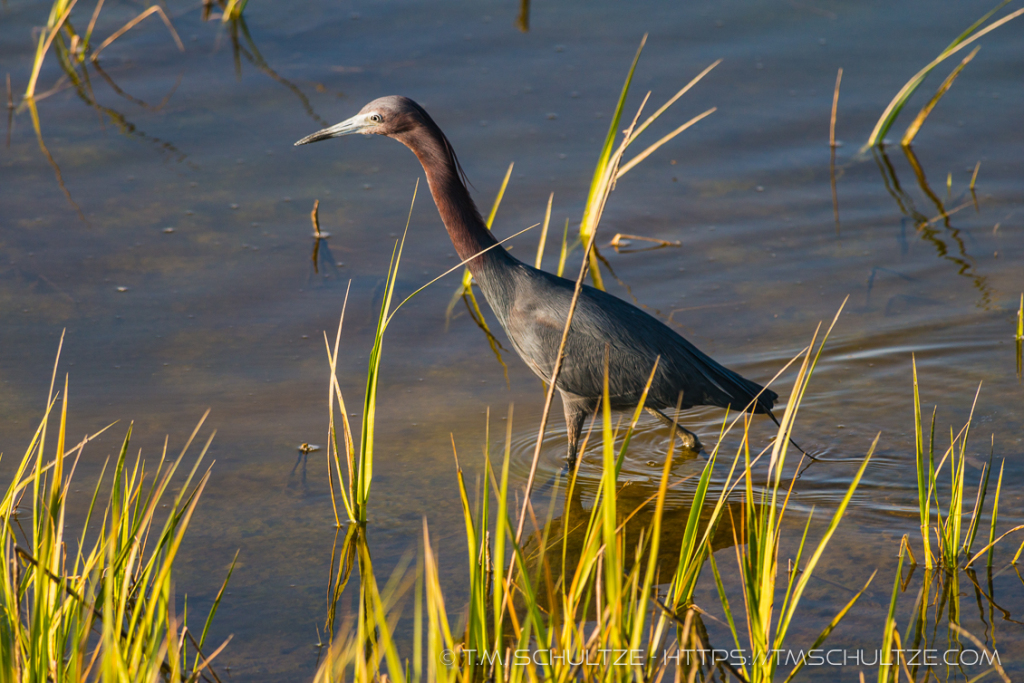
{"x": 635, "y": 509}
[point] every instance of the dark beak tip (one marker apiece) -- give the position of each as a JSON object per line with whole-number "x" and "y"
{"x": 315, "y": 137}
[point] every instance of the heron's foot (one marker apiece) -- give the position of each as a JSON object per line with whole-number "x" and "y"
{"x": 686, "y": 437}
{"x": 569, "y": 466}
{"x": 689, "y": 440}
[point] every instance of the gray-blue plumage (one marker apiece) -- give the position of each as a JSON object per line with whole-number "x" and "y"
{"x": 532, "y": 305}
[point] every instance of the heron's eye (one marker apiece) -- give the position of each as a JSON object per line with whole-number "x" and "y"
{"x": 376, "y": 118}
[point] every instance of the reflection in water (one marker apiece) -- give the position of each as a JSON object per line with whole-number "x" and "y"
{"x": 304, "y": 449}
{"x": 635, "y": 509}
{"x": 344, "y": 559}
{"x": 321, "y": 252}
{"x": 622, "y": 243}
{"x": 871, "y": 280}
{"x": 937, "y": 597}
{"x": 76, "y": 75}
{"x": 925, "y": 225}
{"x": 252, "y": 54}
{"x": 10, "y": 110}
{"x": 75, "y": 68}
{"x": 832, "y": 149}
{"x": 469, "y": 299}
{"x": 83, "y": 88}
{"x": 34, "y": 113}
{"x": 557, "y": 542}
{"x": 135, "y": 100}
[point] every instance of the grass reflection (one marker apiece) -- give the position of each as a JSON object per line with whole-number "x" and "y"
{"x": 926, "y": 226}
{"x": 76, "y": 58}
{"x": 239, "y": 32}
{"x": 934, "y": 624}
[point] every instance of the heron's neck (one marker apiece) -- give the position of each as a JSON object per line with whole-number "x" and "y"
{"x": 466, "y": 228}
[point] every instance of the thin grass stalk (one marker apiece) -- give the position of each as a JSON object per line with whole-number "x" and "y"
{"x": 360, "y": 467}
{"x": 1020, "y": 325}
{"x": 334, "y": 453}
{"x": 155, "y": 9}
{"x": 553, "y": 381}
{"x": 793, "y": 599}
{"x": 888, "y": 117}
{"x": 498, "y": 595}
{"x": 995, "y": 515}
{"x": 564, "y": 251}
{"x": 1020, "y": 315}
{"x": 925, "y": 477}
{"x": 544, "y": 233}
{"x": 758, "y": 546}
{"x": 233, "y": 10}
{"x": 889, "y": 629}
{"x": 606, "y": 173}
{"x": 653, "y": 148}
{"x": 364, "y": 469}
{"x": 979, "y": 504}
{"x": 635, "y": 641}
{"x": 613, "y": 573}
{"x": 603, "y": 158}
{"x": 59, "y": 13}
{"x": 911, "y": 132}
{"x": 476, "y": 623}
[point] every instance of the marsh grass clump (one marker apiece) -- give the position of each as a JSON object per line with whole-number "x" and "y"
{"x": 100, "y": 605}
{"x": 953, "y": 543}
{"x": 80, "y": 45}
{"x": 757, "y": 544}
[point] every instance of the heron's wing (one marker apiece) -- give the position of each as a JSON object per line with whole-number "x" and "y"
{"x": 633, "y": 341}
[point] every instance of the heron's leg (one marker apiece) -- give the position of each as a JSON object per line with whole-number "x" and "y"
{"x": 575, "y": 415}
{"x": 688, "y": 438}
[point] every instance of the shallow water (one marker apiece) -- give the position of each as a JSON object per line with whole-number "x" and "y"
{"x": 179, "y": 261}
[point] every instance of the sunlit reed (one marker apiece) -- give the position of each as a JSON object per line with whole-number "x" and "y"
{"x": 100, "y": 605}
{"x": 954, "y": 543}
{"x": 973, "y": 32}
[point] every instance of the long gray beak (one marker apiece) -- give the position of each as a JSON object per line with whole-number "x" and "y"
{"x": 356, "y": 124}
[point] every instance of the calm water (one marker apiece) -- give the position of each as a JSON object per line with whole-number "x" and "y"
{"x": 179, "y": 261}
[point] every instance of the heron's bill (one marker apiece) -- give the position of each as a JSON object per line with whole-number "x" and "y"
{"x": 356, "y": 124}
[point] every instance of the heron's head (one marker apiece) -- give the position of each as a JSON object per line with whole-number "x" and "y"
{"x": 391, "y": 116}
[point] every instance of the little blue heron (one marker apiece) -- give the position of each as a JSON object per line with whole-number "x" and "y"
{"x": 532, "y": 305}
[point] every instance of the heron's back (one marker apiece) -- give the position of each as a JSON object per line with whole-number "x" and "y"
{"x": 533, "y": 312}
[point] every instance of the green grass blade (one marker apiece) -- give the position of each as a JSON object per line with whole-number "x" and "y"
{"x": 783, "y": 626}
{"x": 995, "y": 514}
{"x": 887, "y": 667}
{"x": 911, "y": 132}
{"x": 896, "y": 105}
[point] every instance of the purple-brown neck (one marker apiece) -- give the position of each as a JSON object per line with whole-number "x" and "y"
{"x": 466, "y": 228}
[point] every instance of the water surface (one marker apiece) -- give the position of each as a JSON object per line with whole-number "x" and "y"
{"x": 179, "y": 261}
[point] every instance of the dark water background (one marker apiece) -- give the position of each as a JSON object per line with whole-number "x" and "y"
{"x": 225, "y": 311}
